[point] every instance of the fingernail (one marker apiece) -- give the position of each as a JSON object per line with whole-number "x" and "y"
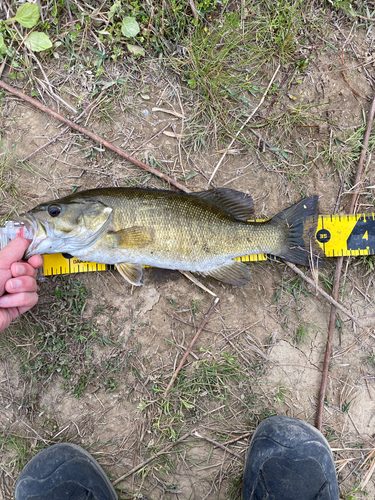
{"x": 15, "y": 283}
{"x": 20, "y": 269}
{"x": 4, "y": 300}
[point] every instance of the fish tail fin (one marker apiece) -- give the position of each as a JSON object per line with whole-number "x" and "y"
{"x": 300, "y": 222}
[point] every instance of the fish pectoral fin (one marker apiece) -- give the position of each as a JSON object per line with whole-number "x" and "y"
{"x": 131, "y": 237}
{"x": 235, "y": 273}
{"x": 133, "y": 273}
{"x": 239, "y": 205}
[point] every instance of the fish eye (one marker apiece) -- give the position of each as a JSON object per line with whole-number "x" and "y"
{"x": 54, "y": 210}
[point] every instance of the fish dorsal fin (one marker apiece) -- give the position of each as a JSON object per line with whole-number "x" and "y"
{"x": 131, "y": 237}
{"x": 133, "y": 273}
{"x": 239, "y": 205}
{"x": 234, "y": 273}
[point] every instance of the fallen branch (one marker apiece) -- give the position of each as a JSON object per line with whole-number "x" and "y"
{"x": 219, "y": 445}
{"x": 325, "y": 295}
{"x": 184, "y": 357}
{"x": 336, "y": 283}
{"x": 143, "y": 464}
{"x": 93, "y": 136}
{"x": 345, "y": 77}
{"x": 65, "y": 129}
{"x": 192, "y": 278}
{"x": 273, "y": 100}
{"x": 234, "y": 440}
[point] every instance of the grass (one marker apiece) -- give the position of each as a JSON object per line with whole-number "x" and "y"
{"x": 60, "y": 341}
{"x": 222, "y": 64}
{"x": 344, "y": 150}
{"x": 288, "y": 299}
{"x": 191, "y": 393}
{"x": 8, "y": 184}
{"x": 367, "y": 262}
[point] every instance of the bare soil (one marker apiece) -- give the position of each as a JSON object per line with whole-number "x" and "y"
{"x": 124, "y": 427}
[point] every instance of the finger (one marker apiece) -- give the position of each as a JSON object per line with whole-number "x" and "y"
{"x": 22, "y": 310}
{"x": 13, "y": 252}
{"x": 36, "y": 261}
{"x": 5, "y": 319}
{"x": 22, "y": 284}
{"x": 8, "y": 315}
{"x": 23, "y": 299}
{"x": 23, "y": 269}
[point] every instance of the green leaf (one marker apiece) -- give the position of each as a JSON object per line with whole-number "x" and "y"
{"x": 130, "y": 27}
{"x": 28, "y": 14}
{"x": 38, "y": 41}
{"x": 3, "y": 47}
{"x": 136, "y": 50}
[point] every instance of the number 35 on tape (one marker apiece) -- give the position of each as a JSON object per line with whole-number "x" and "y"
{"x": 346, "y": 235}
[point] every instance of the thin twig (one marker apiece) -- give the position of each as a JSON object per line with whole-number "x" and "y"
{"x": 273, "y": 100}
{"x": 325, "y": 295}
{"x": 194, "y": 10}
{"x": 31, "y": 53}
{"x": 66, "y": 128}
{"x": 219, "y": 445}
{"x": 205, "y": 319}
{"x": 343, "y": 72}
{"x": 143, "y": 464}
{"x": 243, "y": 125}
{"x": 189, "y": 324}
{"x": 70, "y": 14}
{"x": 93, "y": 136}
{"x": 234, "y": 440}
{"x": 335, "y": 291}
{"x": 192, "y": 278}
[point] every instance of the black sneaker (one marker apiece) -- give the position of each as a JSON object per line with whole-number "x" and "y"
{"x": 64, "y": 472}
{"x": 289, "y": 460}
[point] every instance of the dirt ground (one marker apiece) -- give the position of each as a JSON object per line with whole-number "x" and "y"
{"x": 266, "y": 340}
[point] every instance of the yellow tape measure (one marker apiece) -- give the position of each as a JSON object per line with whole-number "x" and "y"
{"x": 338, "y": 235}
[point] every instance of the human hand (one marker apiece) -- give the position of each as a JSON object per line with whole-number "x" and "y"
{"x": 18, "y": 279}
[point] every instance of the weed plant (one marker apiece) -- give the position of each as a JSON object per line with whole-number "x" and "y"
{"x": 60, "y": 342}
{"x": 343, "y": 151}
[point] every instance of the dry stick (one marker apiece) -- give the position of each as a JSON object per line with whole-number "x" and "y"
{"x": 93, "y": 136}
{"x": 234, "y": 440}
{"x": 184, "y": 357}
{"x": 335, "y": 292}
{"x": 66, "y": 128}
{"x": 273, "y": 100}
{"x": 192, "y": 278}
{"x": 33, "y": 56}
{"x": 194, "y": 10}
{"x": 243, "y": 125}
{"x": 325, "y": 295}
{"x": 143, "y": 464}
{"x": 344, "y": 75}
{"x": 219, "y": 445}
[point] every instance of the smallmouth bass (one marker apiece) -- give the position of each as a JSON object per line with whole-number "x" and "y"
{"x": 198, "y": 232}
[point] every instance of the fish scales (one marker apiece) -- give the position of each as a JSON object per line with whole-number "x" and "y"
{"x": 187, "y": 232}
{"x": 199, "y": 232}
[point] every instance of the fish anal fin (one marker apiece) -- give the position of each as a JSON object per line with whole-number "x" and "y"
{"x": 239, "y": 205}
{"x": 234, "y": 273}
{"x": 133, "y": 273}
{"x": 131, "y": 237}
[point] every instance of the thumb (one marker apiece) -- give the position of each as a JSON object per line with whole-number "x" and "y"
{"x": 13, "y": 252}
